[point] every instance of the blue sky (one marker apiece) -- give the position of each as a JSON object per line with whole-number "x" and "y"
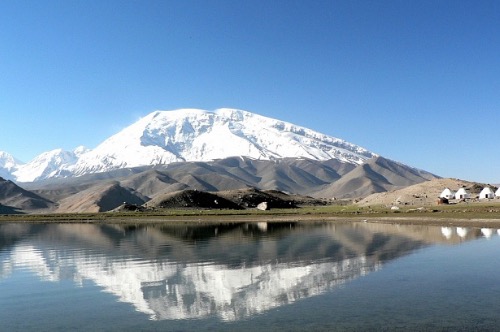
{"x": 414, "y": 81}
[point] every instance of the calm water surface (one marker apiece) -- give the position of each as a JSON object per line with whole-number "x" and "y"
{"x": 265, "y": 276}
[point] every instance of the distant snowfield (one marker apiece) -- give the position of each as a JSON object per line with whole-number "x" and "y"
{"x": 163, "y": 137}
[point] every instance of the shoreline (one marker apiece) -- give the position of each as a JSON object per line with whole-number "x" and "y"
{"x": 199, "y": 220}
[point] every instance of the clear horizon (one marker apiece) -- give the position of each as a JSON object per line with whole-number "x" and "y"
{"x": 415, "y": 82}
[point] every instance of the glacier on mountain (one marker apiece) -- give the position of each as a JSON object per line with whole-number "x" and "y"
{"x": 163, "y": 137}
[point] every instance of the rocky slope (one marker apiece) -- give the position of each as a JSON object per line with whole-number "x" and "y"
{"x": 14, "y": 199}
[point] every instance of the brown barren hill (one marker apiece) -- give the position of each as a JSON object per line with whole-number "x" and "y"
{"x": 14, "y": 198}
{"x": 100, "y": 198}
{"x": 377, "y": 175}
{"x": 252, "y": 197}
{"x": 421, "y": 194}
{"x": 191, "y": 199}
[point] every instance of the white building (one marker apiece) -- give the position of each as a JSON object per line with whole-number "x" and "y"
{"x": 462, "y": 194}
{"x": 497, "y": 193}
{"x": 486, "y": 193}
{"x": 447, "y": 193}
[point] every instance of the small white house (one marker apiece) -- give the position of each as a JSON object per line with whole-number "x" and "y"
{"x": 486, "y": 193}
{"x": 497, "y": 193}
{"x": 462, "y": 194}
{"x": 447, "y": 193}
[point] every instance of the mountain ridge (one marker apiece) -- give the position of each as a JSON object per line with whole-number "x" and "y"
{"x": 164, "y": 137}
{"x": 318, "y": 179}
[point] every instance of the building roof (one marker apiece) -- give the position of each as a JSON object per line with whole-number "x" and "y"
{"x": 446, "y": 193}
{"x": 486, "y": 190}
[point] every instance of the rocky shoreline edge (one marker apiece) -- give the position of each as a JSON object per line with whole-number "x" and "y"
{"x": 463, "y": 221}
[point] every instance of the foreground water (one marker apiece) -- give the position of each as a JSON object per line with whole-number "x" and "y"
{"x": 361, "y": 276}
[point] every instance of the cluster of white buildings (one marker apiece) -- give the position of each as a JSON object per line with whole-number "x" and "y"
{"x": 462, "y": 193}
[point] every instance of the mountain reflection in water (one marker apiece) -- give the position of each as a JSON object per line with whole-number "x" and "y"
{"x": 229, "y": 271}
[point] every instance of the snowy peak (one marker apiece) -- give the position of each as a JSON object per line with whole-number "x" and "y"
{"x": 163, "y": 137}
{"x": 8, "y": 164}
{"x": 8, "y": 161}
{"x": 229, "y": 132}
{"x": 47, "y": 164}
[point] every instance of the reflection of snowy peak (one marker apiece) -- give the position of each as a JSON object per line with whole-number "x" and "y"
{"x": 230, "y": 272}
{"x": 170, "y": 290}
{"x": 163, "y": 137}
{"x": 233, "y": 294}
{"x": 193, "y": 280}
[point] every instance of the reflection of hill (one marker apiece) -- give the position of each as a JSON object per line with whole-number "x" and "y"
{"x": 231, "y": 271}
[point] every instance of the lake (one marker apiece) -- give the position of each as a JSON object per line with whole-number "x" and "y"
{"x": 246, "y": 277}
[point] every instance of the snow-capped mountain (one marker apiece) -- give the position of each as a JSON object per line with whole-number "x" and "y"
{"x": 163, "y": 137}
{"x": 8, "y": 164}
{"x": 48, "y": 164}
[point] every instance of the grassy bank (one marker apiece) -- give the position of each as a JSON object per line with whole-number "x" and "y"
{"x": 477, "y": 213}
